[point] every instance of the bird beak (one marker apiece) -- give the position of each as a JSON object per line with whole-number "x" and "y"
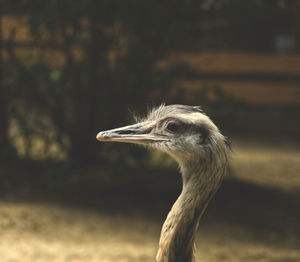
{"x": 135, "y": 134}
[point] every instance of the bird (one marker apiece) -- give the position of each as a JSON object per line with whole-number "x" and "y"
{"x": 189, "y": 136}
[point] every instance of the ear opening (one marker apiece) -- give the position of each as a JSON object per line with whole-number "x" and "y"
{"x": 204, "y": 133}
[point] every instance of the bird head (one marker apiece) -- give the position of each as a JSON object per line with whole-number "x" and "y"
{"x": 182, "y": 131}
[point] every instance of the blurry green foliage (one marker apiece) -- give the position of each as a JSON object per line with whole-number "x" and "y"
{"x": 55, "y": 75}
{"x": 121, "y": 42}
{"x": 83, "y": 96}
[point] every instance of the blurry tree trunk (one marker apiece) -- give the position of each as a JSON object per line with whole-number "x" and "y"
{"x": 84, "y": 144}
{"x": 296, "y": 23}
{"x": 7, "y": 151}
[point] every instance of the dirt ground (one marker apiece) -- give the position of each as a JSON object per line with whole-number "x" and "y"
{"x": 267, "y": 228}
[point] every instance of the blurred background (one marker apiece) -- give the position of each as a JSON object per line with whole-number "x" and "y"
{"x": 72, "y": 68}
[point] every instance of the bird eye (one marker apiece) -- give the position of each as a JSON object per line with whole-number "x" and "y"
{"x": 173, "y": 126}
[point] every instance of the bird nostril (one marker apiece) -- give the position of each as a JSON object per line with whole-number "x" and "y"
{"x": 125, "y": 132}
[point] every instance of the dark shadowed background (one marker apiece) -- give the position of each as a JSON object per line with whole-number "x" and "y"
{"x": 70, "y": 69}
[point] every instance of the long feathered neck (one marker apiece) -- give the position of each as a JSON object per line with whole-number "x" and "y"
{"x": 179, "y": 230}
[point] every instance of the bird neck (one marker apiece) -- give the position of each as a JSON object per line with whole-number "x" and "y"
{"x": 179, "y": 230}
